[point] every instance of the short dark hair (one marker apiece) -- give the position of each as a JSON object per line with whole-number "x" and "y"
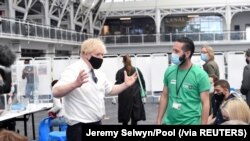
{"x": 7, "y": 56}
{"x": 188, "y": 45}
{"x": 248, "y": 52}
{"x": 223, "y": 84}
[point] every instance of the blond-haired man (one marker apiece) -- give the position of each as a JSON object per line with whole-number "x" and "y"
{"x": 83, "y": 87}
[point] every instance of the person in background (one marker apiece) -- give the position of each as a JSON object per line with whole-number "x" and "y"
{"x": 130, "y": 103}
{"x": 56, "y": 112}
{"x": 6, "y": 135}
{"x": 7, "y": 58}
{"x": 235, "y": 109}
{"x": 29, "y": 73}
{"x": 213, "y": 78}
{"x": 83, "y": 87}
{"x": 245, "y": 86}
{"x": 185, "y": 96}
{"x": 221, "y": 94}
{"x": 210, "y": 66}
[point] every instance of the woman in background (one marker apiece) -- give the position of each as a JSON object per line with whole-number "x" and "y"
{"x": 210, "y": 66}
{"x": 130, "y": 103}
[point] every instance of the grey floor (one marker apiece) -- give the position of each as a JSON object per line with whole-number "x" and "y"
{"x": 151, "y": 108}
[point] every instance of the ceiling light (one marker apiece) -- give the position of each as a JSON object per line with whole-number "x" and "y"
{"x": 125, "y": 18}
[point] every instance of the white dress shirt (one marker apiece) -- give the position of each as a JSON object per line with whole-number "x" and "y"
{"x": 86, "y": 103}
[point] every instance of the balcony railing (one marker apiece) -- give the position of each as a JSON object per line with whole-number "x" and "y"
{"x": 171, "y": 37}
{"x": 20, "y": 29}
{"x": 14, "y": 29}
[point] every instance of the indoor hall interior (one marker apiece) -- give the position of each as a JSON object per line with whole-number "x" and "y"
{"x": 50, "y": 33}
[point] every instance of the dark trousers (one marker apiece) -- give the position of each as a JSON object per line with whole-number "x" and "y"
{"x": 132, "y": 123}
{"x": 75, "y": 132}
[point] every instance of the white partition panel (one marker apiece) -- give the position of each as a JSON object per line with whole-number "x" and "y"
{"x": 236, "y": 62}
{"x": 220, "y": 60}
{"x": 16, "y": 71}
{"x": 73, "y": 59}
{"x": 58, "y": 66}
{"x": 142, "y": 61}
{"x": 158, "y": 66}
{"x": 110, "y": 67}
{"x": 43, "y": 66}
{"x": 20, "y": 82}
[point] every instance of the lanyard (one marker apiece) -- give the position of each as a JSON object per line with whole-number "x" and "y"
{"x": 178, "y": 89}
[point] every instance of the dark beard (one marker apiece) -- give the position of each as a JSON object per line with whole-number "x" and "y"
{"x": 183, "y": 59}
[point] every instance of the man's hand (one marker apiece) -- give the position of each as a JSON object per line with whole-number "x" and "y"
{"x": 130, "y": 80}
{"x": 82, "y": 78}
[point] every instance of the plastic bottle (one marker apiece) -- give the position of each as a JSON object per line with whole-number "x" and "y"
{"x": 36, "y": 97}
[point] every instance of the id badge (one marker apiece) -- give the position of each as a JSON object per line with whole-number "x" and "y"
{"x": 176, "y": 105}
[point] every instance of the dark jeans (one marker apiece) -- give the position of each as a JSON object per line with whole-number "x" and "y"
{"x": 29, "y": 89}
{"x": 75, "y": 132}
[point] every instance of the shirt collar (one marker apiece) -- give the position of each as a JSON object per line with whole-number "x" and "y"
{"x": 85, "y": 66}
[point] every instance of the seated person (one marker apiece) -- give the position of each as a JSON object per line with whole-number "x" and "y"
{"x": 221, "y": 94}
{"x": 7, "y": 58}
{"x": 236, "y": 109}
{"x": 56, "y": 111}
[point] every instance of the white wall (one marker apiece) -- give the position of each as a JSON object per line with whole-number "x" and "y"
{"x": 58, "y": 66}
{"x": 236, "y": 62}
{"x": 158, "y": 66}
{"x": 153, "y": 67}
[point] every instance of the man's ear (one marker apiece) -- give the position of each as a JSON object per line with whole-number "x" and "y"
{"x": 188, "y": 54}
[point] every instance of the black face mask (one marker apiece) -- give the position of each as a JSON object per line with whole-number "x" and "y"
{"x": 219, "y": 96}
{"x": 95, "y": 62}
{"x": 247, "y": 61}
